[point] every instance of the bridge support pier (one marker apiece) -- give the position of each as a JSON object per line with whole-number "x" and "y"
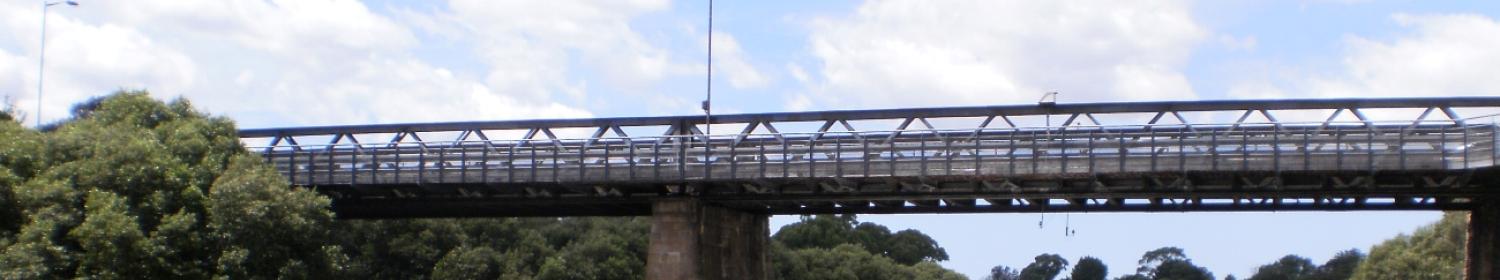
{"x": 691, "y": 240}
{"x": 1483, "y": 260}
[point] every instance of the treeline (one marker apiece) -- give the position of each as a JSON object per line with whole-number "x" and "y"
{"x": 1434, "y": 251}
{"x": 134, "y": 188}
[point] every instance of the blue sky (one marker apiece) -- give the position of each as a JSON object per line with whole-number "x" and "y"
{"x": 292, "y": 63}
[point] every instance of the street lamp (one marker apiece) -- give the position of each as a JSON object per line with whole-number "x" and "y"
{"x": 42, "y": 58}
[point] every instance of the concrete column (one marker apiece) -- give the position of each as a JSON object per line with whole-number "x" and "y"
{"x": 1483, "y": 260}
{"x": 693, "y": 241}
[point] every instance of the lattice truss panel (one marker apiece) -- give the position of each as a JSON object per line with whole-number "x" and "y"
{"x": 1153, "y": 156}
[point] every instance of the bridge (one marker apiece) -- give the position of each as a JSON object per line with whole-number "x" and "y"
{"x": 710, "y": 192}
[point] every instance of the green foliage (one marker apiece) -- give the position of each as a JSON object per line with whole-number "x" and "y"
{"x": 1169, "y": 263}
{"x": 133, "y": 188}
{"x": 1001, "y": 272}
{"x": 1434, "y": 251}
{"x": 907, "y": 247}
{"x": 850, "y": 261}
{"x": 468, "y": 263}
{"x": 1290, "y": 267}
{"x": 1293, "y": 267}
{"x": 1089, "y": 268}
{"x": 1340, "y": 267}
{"x": 864, "y": 251}
{"x": 1044, "y": 267}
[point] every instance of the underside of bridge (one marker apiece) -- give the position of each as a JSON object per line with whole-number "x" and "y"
{"x": 710, "y": 194}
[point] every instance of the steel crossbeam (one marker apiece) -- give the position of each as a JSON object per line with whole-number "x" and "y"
{"x": 919, "y": 165}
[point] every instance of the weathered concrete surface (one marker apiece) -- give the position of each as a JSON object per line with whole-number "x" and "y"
{"x": 1483, "y": 262}
{"x": 691, "y": 240}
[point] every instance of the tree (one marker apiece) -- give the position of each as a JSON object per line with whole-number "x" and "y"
{"x": 1168, "y": 263}
{"x": 1340, "y": 267}
{"x": 132, "y": 187}
{"x": 1001, "y": 272}
{"x": 849, "y": 261}
{"x": 907, "y": 247}
{"x": 1434, "y": 251}
{"x": 1089, "y": 268}
{"x": 1290, "y": 267}
{"x": 910, "y": 246}
{"x": 468, "y": 263}
{"x": 1044, "y": 267}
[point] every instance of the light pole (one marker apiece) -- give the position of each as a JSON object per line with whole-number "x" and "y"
{"x": 41, "y": 63}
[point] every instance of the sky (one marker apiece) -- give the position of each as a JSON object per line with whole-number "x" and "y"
{"x": 317, "y": 62}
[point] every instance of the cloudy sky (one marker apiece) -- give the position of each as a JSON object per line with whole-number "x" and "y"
{"x": 313, "y": 62}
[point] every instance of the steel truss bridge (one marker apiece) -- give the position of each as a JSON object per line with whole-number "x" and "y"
{"x": 1141, "y": 156}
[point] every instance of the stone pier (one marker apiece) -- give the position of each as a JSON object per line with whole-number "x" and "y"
{"x": 691, "y": 240}
{"x": 1483, "y": 255}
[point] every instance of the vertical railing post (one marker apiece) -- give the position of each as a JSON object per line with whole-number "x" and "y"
{"x": 607, "y": 159}
{"x": 484, "y": 162}
{"x": 1276, "y": 149}
{"x": 463, "y": 163}
{"x": 1466, "y": 145}
{"x": 422, "y": 166}
{"x": 734, "y": 160}
{"x": 865, "y": 154}
{"x": 1063, "y": 164}
{"x": 1401, "y": 149}
{"x": 1153, "y": 150}
{"x": 510, "y": 163}
{"x": 1213, "y": 149}
{"x": 1370, "y": 147}
{"x": 1036, "y": 156}
{"x": 838, "y": 157}
{"x": 812, "y": 160}
{"x": 1338, "y": 145}
{"x": 374, "y": 166}
{"x": 442, "y": 164}
{"x": 1307, "y": 150}
{"x": 656, "y": 159}
{"x": 922, "y": 154}
{"x": 1011, "y": 154}
{"x": 1244, "y": 150}
{"x": 354, "y": 165}
{"x": 977, "y": 158}
{"x": 682, "y": 148}
{"x": 786, "y": 158}
{"x": 761, "y": 143}
{"x": 292, "y": 166}
{"x": 947, "y": 155}
{"x": 1182, "y": 151}
{"x": 533, "y": 162}
{"x": 631, "y": 159}
{"x": 1124, "y": 151}
{"x": 1091, "y": 152}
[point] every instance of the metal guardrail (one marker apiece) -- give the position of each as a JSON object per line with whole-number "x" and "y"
{"x": 998, "y": 159}
{"x": 990, "y": 152}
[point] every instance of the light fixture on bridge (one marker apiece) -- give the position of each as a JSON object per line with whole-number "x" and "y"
{"x": 1048, "y": 99}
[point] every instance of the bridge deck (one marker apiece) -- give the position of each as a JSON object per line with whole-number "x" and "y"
{"x": 1239, "y": 166}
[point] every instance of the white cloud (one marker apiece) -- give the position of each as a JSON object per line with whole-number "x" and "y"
{"x": 529, "y": 44}
{"x": 732, "y": 60}
{"x": 83, "y": 60}
{"x": 1444, "y": 55}
{"x": 279, "y": 62}
{"x": 797, "y": 72}
{"x": 917, "y": 53}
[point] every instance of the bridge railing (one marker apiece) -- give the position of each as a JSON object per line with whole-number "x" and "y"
{"x": 1008, "y": 152}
